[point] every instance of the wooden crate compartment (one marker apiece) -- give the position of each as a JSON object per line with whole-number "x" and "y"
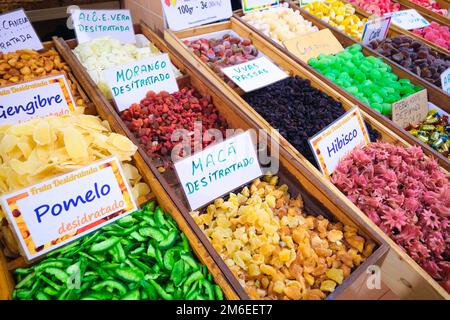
{"x": 158, "y": 193}
{"x": 314, "y": 194}
{"x": 435, "y": 95}
{"x": 407, "y": 279}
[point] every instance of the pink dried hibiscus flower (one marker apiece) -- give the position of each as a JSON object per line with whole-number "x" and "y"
{"x": 407, "y": 196}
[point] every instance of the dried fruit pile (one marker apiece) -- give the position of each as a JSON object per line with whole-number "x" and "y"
{"x": 105, "y": 53}
{"x": 367, "y": 78}
{"x": 277, "y": 250}
{"x": 414, "y": 56}
{"x": 297, "y": 110}
{"x": 280, "y": 23}
{"x": 27, "y": 65}
{"x": 159, "y": 115}
{"x": 436, "y": 33}
{"x": 224, "y": 52}
{"x": 39, "y": 149}
{"x": 407, "y": 196}
{"x": 378, "y": 7}
{"x": 142, "y": 256}
{"x": 434, "y": 131}
{"x": 431, "y": 5}
{"x": 339, "y": 15}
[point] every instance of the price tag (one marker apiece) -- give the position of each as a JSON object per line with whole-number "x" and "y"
{"x": 254, "y": 74}
{"x": 338, "y": 139}
{"x": 409, "y": 19}
{"x": 445, "y": 80}
{"x": 183, "y": 14}
{"x": 16, "y": 32}
{"x": 376, "y": 29}
{"x": 250, "y": 5}
{"x": 92, "y": 24}
{"x": 410, "y": 110}
{"x": 48, "y": 96}
{"x": 52, "y": 213}
{"x": 130, "y": 82}
{"x": 312, "y": 44}
{"x": 218, "y": 169}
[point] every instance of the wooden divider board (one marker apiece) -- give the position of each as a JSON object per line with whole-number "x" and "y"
{"x": 409, "y": 270}
{"x": 239, "y": 120}
{"x": 435, "y": 95}
{"x": 158, "y": 193}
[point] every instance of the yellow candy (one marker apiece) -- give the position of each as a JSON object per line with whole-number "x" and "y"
{"x": 267, "y": 241}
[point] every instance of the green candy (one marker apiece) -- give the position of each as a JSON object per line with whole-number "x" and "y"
{"x": 367, "y": 78}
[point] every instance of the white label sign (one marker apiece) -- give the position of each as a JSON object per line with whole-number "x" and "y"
{"x": 409, "y": 19}
{"x": 254, "y": 74}
{"x": 129, "y": 83}
{"x": 445, "y": 80}
{"x": 218, "y": 170}
{"x": 305, "y": 2}
{"x": 54, "y": 212}
{"x": 16, "y": 32}
{"x": 250, "y": 5}
{"x": 335, "y": 141}
{"x": 49, "y": 96}
{"x": 376, "y": 29}
{"x": 183, "y": 14}
{"x": 92, "y": 24}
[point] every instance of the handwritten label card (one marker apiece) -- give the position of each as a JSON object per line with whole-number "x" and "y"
{"x": 312, "y": 44}
{"x": 49, "y": 96}
{"x": 250, "y": 5}
{"x": 130, "y": 82}
{"x": 218, "y": 169}
{"x": 183, "y": 14}
{"x": 409, "y": 19}
{"x": 410, "y": 110}
{"x": 92, "y": 24}
{"x": 254, "y": 74}
{"x": 445, "y": 80}
{"x": 16, "y": 32}
{"x": 376, "y": 29}
{"x": 338, "y": 139}
{"x": 49, "y": 214}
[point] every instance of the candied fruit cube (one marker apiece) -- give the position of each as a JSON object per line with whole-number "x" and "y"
{"x": 356, "y": 242}
{"x": 309, "y": 278}
{"x": 336, "y": 275}
{"x": 293, "y": 292}
{"x": 278, "y": 286}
